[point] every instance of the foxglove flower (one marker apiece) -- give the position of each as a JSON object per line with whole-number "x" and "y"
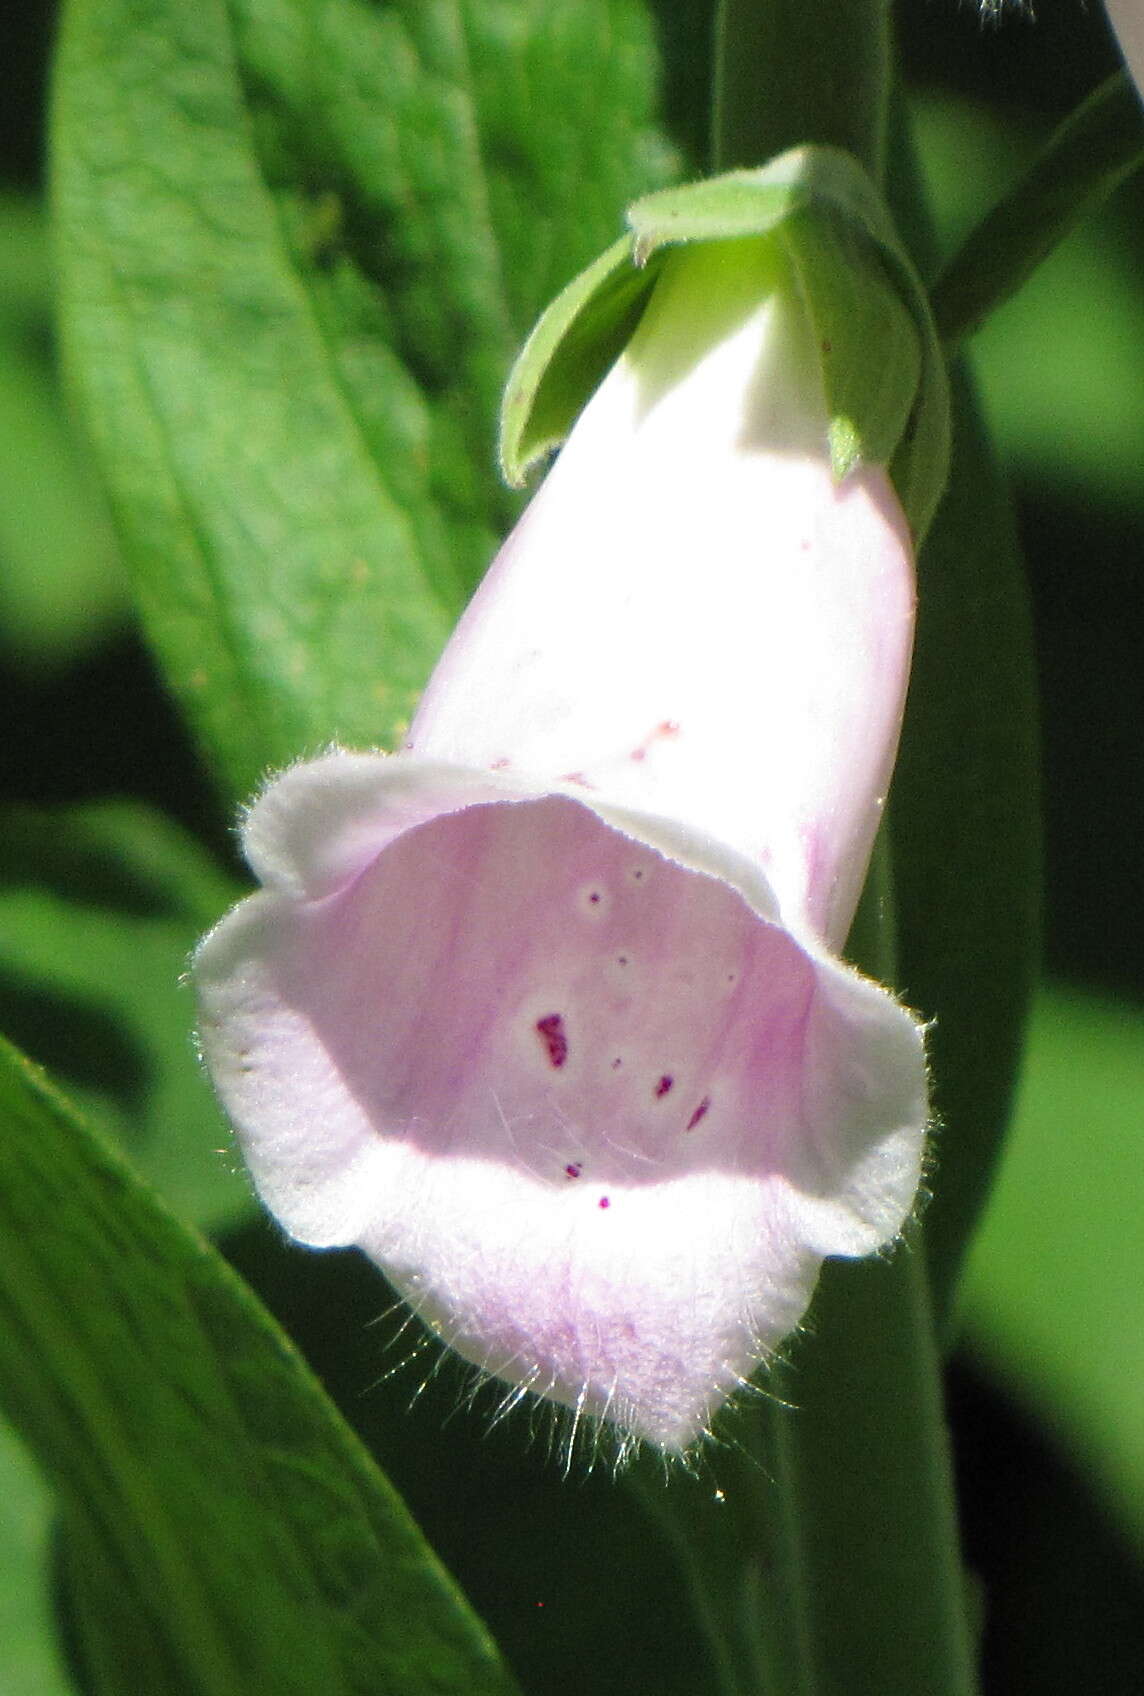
{"x": 546, "y": 1011}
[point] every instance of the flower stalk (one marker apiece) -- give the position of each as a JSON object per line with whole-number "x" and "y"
{"x": 788, "y": 73}
{"x": 827, "y": 1561}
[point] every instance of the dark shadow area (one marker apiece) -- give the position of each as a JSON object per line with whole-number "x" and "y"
{"x": 106, "y": 727}
{"x": 78, "y": 1042}
{"x": 570, "y": 1577}
{"x": 64, "y": 859}
{"x": 1087, "y": 571}
{"x": 1061, "y": 1591}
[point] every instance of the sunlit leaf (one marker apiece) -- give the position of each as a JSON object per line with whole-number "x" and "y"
{"x": 61, "y": 583}
{"x": 1054, "y": 1296}
{"x": 30, "y": 1660}
{"x": 298, "y": 247}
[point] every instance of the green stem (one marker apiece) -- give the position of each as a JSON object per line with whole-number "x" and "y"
{"x": 793, "y": 71}
{"x": 735, "y": 1524}
{"x": 822, "y": 1543}
{"x": 1089, "y": 156}
{"x": 870, "y": 1467}
{"x": 872, "y": 1478}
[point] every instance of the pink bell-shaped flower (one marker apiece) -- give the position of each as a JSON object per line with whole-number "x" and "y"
{"x": 546, "y": 1012}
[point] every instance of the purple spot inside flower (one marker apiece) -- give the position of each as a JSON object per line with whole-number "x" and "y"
{"x": 699, "y": 1113}
{"x": 573, "y": 1169}
{"x": 554, "y": 1037}
{"x": 594, "y": 897}
{"x": 616, "y": 1063}
{"x": 663, "y": 1085}
{"x": 605, "y": 1201}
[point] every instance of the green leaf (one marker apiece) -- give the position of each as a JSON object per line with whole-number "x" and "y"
{"x": 1054, "y": 1298}
{"x": 25, "y": 271}
{"x": 32, "y": 1665}
{"x": 1075, "y": 419}
{"x": 61, "y": 582}
{"x": 100, "y": 907}
{"x": 966, "y": 835}
{"x": 297, "y": 246}
{"x": 1084, "y": 161}
{"x": 229, "y": 1533}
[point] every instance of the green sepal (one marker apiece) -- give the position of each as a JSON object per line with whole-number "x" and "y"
{"x": 885, "y": 376}
{"x": 575, "y": 341}
{"x": 870, "y": 347}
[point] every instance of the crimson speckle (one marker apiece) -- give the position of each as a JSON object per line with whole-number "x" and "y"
{"x": 605, "y": 1201}
{"x": 664, "y": 1084}
{"x": 555, "y": 1038}
{"x": 573, "y": 1169}
{"x": 616, "y": 1063}
{"x": 594, "y": 897}
{"x": 699, "y": 1113}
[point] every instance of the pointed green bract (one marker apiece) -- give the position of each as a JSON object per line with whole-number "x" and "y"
{"x": 882, "y": 367}
{"x": 219, "y": 1516}
{"x": 871, "y": 357}
{"x": 568, "y": 354}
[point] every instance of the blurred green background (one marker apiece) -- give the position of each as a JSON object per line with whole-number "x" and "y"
{"x": 1047, "y": 1393}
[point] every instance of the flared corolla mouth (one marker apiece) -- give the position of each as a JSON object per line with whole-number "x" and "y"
{"x": 525, "y": 984}
{"x": 596, "y": 1115}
